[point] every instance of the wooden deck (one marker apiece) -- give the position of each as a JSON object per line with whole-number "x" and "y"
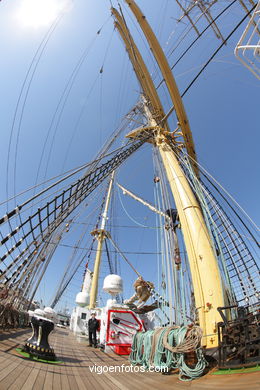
{"x": 17, "y": 373}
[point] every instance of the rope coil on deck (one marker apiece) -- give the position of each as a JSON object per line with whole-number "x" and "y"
{"x": 166, "y": 347}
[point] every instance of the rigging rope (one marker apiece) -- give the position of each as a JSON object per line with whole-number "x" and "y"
{"x": 129, "y": 216}
{"x": 209, "y": 60}
{"x": 39, "y": 52}
{"x": 235, "y": 259}
{"x": 122, "y": 254}
{"x": 199, "y": 35}
{"x": 63, "y": 101}
{"x": 165, "y": 348}
{"x": 47, "y": 219}
{"x": 169, "y": 246}
{"x": 212, "y": 180}
{"x": 66, "y": 278}
{"x": 92, "y": 177}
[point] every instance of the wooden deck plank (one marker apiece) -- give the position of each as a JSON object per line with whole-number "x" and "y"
{"x": 13, "y": 377}
{"x": 133, "y": 381}
{"x": 48, "y": 380}
{"x": 79, "y": 380}
{"x": 8, "y": 370}
{"x": 21, "y": 378}
{"x": 117, "y": 383}
{"x": 40, "y": 379}
{"x": 87, "y": 377}
{"x": 83, "y": 375}
{"x": 57, "y": 378}
{"x": 6, "y": 361}
{"x": 65, "y": 382}
{"x": 74, "y": 373}
{"x": 29, "y": 384}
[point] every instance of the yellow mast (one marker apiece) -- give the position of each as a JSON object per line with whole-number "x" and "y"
{"x": 140, "y": 68}
{"x": 100, "y": 235}
{"x": 207, "y": 284}
{"x": 168, "y": 77}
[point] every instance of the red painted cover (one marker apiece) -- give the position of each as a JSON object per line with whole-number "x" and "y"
{"x": 122, "y": 349}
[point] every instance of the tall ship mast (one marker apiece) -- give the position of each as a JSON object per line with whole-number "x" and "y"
{"x": 100, "y": 235}
{"x": 208, "y": 290}
{"x": 204, "y": 296}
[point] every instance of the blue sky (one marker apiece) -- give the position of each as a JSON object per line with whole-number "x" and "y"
{"x": 222, "y": 106}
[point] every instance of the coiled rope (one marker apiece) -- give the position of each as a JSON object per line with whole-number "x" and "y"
{"x": 166, "y": 348}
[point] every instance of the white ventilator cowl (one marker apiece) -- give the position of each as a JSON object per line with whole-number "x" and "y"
{"x": 82, "y": 299}
{"x": 50, "y": 313}
{"x": 39, "y": 312}
{"x": 113, "y": 284}
{"x": 49, "y": 310}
